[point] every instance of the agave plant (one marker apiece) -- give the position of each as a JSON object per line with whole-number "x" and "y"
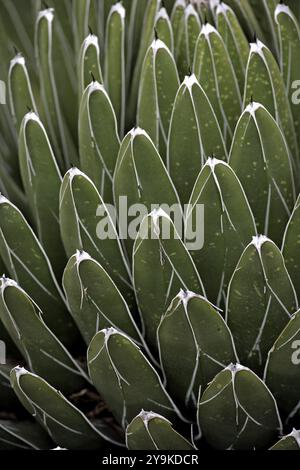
{"x": 147, "y": 342}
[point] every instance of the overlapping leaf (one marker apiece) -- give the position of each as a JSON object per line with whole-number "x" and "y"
{"x": 66, "y": 424}
{"x": 140, "y": 178}
{"x": 265, "y": 85}
{"x": 151, "y": 431}
{"x": 42, "y": 180}
{"x": 126, "y": 388}
{"x": 28, "y": 264}
{"x": 44, "y": 354}
{"x": 227, "y": 227}
{"x": 158, "y": 87}
{"x": 260, "y": 302}
{"x": 115, "y": 62}
{"x": 214, "y": 70}
{"x": 94, "y": 299}
{"x": 234, "y": 39}
{"x": 194, "y": 136}
{"x": 98, "y": 138}
{"x": 282, "y": 367}
{"x": 203, "y": 343}
{"x": 87, "y": 225}
{"x": 161, "y": 266}
{"x": 260, "y": 158}
{"x": 238, "y": 412}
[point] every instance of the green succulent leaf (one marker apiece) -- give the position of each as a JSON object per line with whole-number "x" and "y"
{"x": 214, "y": 70}
{"x": 234, "y": 39}
{"x": 115, "y": 62}
{"x": 41, "y": 349}
{"x": 163, "y": 28}
{"x": 28, "y": 264}
{"x": 265, "y": 11}
{"x": 260, "y": 158}
{"x": 66, "y": 424}
{"x": 98, "y": 138}
{"x": 89, "y": 66}
{"x": 151, "y": 431}
{"x": 42, "y": 180}
{"x": 290, "y": 246}
{"x": 94, "y": 299}
{"x": 260, "y": 302}
{"x": 289, "y": 39}
{"x": 20, "y": 90}
{"x": 228, "y": 225}
{"x": 282, "y": 367}
{"x": 177, "y": 21}
{"x": 125, "y": 378}
{"x": 265, "y": 85}
{"x": 289, "y": 442}
{"x": 23, "y": 435}
{"x": 203, "y": 343}
{"x": 158, "y": 87}
{"x": 238, "y": 412}
{"x": 141, "y": 176}
{"x": 135, "y": 11}
{"x": 87, "y": 225}
{"x": 81, "y": 13}
{"x": 151, "y": 10}
{"x": 191, "y": 28}
{"x": 59, "y": 132}
{"x": 246, "y": 16}
{"x": 194, "y": 136}
{"x": 161, "y": 267}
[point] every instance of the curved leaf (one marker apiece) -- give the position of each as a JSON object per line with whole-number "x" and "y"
{"x": 194, "y": 136}
{"x": 192, "y": 337}
{"x": 42, "y": 180}
{"x": 265, "y": 85}
{"x": 289, "y": 40}
{"x": 282, "y": 369}
{"x": 20, "y": 91}
{"x": 158, "y": 87}
{"x": 28, "y": 264}
{"x": 238, "y": 412}
{"x": 98, "y": 138}
{"x": 151, "y": 431}
{"x": 260, "y": 302}
{"x": 125, "y": 378}
{"x": 94, "y": 299}
{"x": 290, "y": 246}
{"x": 59, "y": 132}
{"x": 89, "y": 63}
{"x": 42, "y": 351}
{"x": 161, "y": 266}
{"x": 214, "y": 70}
{"x": 234, "y": 39}
{"x": 191, "y": 28}
{"x": 163, "y": 28}
{"x": 115, "y": 62}
{"x": 66, "y": 424}
{"x": 228, "y": 225}
{"x": 177, "y": 21}
{"x": 150, "y": 12}
{"x": 141, "y": 180}
{"x": 86, "y": 224}
{"x": 23, "y": 435}
{"x": 260, "y": 158}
